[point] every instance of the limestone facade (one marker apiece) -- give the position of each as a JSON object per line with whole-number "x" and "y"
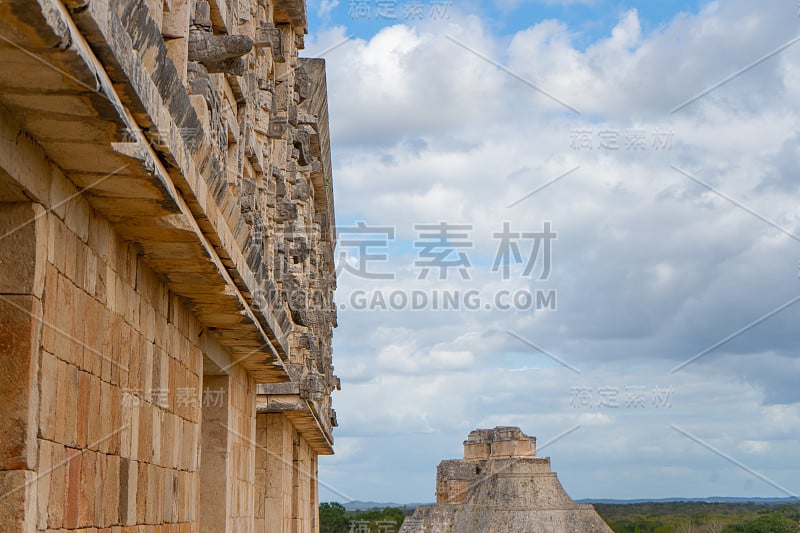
{"x": 501, "y": 486}
{"x": 166, "y": 267}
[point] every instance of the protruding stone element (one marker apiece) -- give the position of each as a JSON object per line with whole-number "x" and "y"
{"x": 217, "y": 48}
{"x": 502, "y": 487}
{"x": 218, "y": 53}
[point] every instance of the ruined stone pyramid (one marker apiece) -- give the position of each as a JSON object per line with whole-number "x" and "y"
{"x": 501, "y": 487}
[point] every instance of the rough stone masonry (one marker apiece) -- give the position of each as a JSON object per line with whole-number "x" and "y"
{"x": 166, "y": 267}
{"x": 501, "y": 486}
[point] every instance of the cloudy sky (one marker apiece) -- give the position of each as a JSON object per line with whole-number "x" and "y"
{"x": 637, "y": 313}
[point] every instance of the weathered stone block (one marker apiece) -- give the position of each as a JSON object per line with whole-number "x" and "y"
{"x": 58, "y": 477}
{"x": 89, "y": 462}
{"x": 178, "y": 52}
{"x": 110, "y": 489}
{"x": 201, "y": 17}
{"x": 23, "y": 248}
{"x": 98, "y": 477}
{"x": 73, "y": 488}
{"x": 63, "y": 320}
{"x": 116, "y": 420}
{"x": 20, "y": 324}
{"x": 77, "y": 216}
{"x": 154, "y": 483}
{"x": 67, "y": 409}
{"x": 84, "y": 395}
{"x": 76, "y": 329}
{"x": 43, "y": 483}
{"x": 141, "y": 493}
{"x": 128, "y": 482}
{"x": 145, "y": 447}
{"x": 175, "y": 21}
{"x": 106, "y": 429}
{"x": 95, "y": 430}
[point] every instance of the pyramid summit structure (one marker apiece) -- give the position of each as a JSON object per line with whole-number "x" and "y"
{"x": 501, "y": 486}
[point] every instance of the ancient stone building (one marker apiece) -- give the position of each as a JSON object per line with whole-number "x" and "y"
{"x": 166, "y": 267}
{"x": 501, "y": 486}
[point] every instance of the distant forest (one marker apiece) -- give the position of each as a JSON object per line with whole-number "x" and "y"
{"x": 698, "y": 517}
{"x": 671, "y": 517}
{"x": 334, "y": 518}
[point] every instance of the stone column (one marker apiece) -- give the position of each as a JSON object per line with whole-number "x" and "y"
{"x": 214, "y": 453}
{"x": 278, "y": 496}
{"x": 314, "y": 471}
{"x": 23, "y": 254}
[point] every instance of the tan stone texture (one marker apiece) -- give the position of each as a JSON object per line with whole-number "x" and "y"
{"x": 18, "y": 501}
{"x": 24, "y": 251}
{"x": 136, "y": 198}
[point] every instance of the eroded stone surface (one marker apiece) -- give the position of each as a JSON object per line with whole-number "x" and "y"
{"x": 172, "y": 229}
